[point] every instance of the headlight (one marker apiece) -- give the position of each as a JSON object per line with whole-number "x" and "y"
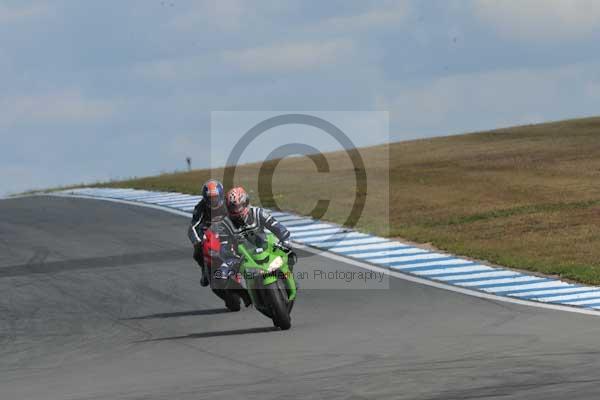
{"x": 275, "y": 264}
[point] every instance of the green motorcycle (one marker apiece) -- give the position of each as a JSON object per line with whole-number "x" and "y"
{"x": 267, "y": 268}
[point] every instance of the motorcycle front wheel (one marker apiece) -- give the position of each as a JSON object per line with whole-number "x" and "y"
{"x": 278, "y": 299}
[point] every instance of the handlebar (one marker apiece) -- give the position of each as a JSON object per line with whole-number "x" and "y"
{"x": 283, "y": 247}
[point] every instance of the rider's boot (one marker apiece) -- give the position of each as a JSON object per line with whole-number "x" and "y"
{"x": 204, "y": 281}
{"x": 199, "y": 258}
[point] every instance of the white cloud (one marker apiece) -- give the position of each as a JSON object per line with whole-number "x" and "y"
{"x": 388, "y": 14}
{"x": 493, "y": 99}
{"x": 62, "y": 106}
{"x": 172, "y": 69}
{"x": 592, "y": 89}
{"x": 22, "y": 177}
{"x": 290, "y": 56}
{"x": 227, "y": 16}
{"x": 16, "y": 14}
{"x": 36, "y": 175}
{"x": 540, "y": 19}
{"x": 181, "y": 146}
{"x": 222, "y": 14}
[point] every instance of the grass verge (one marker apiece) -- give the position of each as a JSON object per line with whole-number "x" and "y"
{"x": 525, "y": 197}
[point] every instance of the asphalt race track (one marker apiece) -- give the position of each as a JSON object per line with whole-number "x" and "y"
{"x": 101, "y": 301}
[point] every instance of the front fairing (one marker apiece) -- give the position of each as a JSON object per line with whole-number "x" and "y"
{"x": 259, "y": 253}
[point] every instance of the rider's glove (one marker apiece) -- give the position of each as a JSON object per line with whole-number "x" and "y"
{"x": 286, "y": 244}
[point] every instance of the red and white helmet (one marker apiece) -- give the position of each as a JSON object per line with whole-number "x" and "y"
{"x": 238, "y": 202}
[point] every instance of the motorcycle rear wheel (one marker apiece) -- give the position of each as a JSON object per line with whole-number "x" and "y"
{"x": 232, "y": 300}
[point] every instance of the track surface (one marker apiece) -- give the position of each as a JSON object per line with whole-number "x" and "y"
{"x": 101, "y": 301}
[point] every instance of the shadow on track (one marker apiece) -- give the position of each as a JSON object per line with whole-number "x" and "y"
{"x": 189, "y": 313}
{"x": 214, "y": 334}
{"x": 39, "y": 265}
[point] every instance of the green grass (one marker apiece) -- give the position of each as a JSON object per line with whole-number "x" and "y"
{"x": 525, "y": 197}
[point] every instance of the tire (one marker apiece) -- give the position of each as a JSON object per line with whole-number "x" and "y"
{"x": 220, "y": 293}
{"x": 279, "y": 305}
{"x": 232, "y": 302}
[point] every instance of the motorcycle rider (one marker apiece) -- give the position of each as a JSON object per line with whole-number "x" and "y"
{"x": 210, "y": 209}
{"x": 243, "y": 220}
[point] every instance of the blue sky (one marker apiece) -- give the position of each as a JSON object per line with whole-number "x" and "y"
{"x": 106, "y": 89}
